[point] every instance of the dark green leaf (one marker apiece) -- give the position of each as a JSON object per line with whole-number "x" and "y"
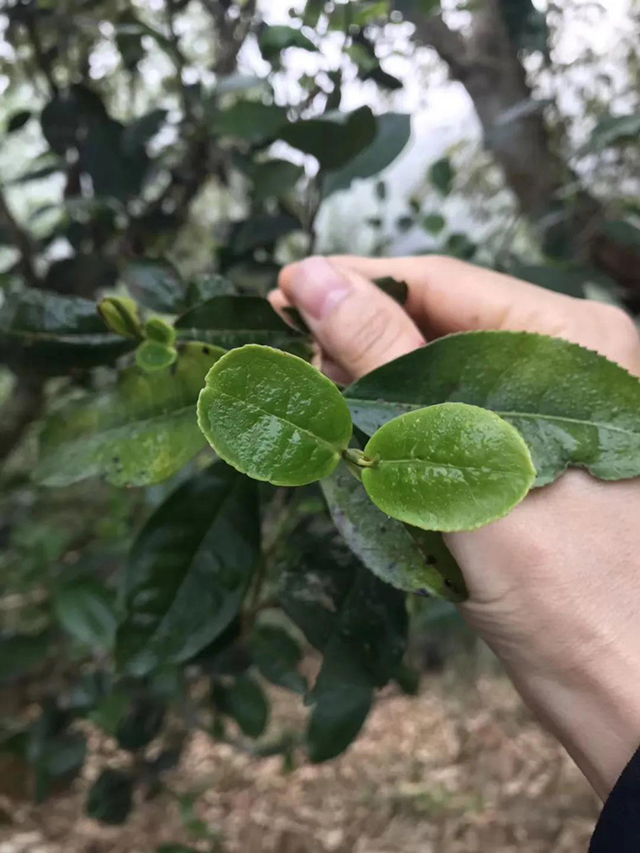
{"x": 155, "y": 283}
{"x": 408, "y": 558}
{"x": 260, "y": 230}
{"x": 136, "y": 134}
{"x": 141, "y": 724}
{"x": 333, "y": 139}
{"x": 117, "y": 171}
{"x": 55, "y": 332}
{"x": 614, "y": 130}
{"x": 441, "y": 175}
{"x": 277, "y": 655}
{"x": 460, "y": 246}
{"x": 273, "y": 416}
{"x": 343, "y": 697}
{"x": 110, "y": 798}
{"x": 622, "y": 232}
{"x": 272, "y": 40}
{"x": 245, "y": 702}
{"x": 393, "y": 287}
{"x": 589, "y": 418}
{"x": 86, "y": 610}
{"x": 274, "y": 178}
{"x": 569, "y": 281}
{"x": 232, "y": 321}
{"x": 434, "y": 223}
{"x": 189, "y": 570}
{"x": 393, "y": 131}
{"x": 69, "y": 116}
{"x": 140, "y": 432}
{"x": 251, "y": 121}
{"x": 18, "y": 120}
{"x": 21, "y": 654}
{"x": 208, "y": 285}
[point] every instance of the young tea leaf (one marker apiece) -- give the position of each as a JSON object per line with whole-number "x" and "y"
{"x": 273, "y": 416}
{"x": 140, "y": 432}
{"x": 448, "y": 467}
{"x": 571, "y": 405}
{"x": 408, "y": 558}
{"x": 152, "y": 356}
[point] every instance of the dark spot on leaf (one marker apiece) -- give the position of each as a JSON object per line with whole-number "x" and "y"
{"x": 431, "y": 560}
{"x": 206, "y": 350}
{"x": 449, "y": 584}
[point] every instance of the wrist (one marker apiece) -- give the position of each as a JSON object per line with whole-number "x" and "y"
{"x": 595, "y": 713}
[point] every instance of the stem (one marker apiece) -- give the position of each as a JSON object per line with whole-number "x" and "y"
{"x": 357, "y": 458}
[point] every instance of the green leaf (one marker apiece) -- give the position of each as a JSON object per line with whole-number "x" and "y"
{"x": 334, "y": 138}
{"x": 140, "y": 432}
{"x": 245, "y": 702}
{"x": 18, "y": 120}
{"x": 141, "y": 724}
{"x": 434, "y": 223}
{"x": 277, "y": 655}
{"x": 260, "y": 230}
{"x": 448, "y": 467}
{"x": 251, "y": 121}
{"x": 231, "y": 321}
{"x": 363, "y": 652}
{"x": 571, "y": 405}
{"x": 393, "y": 287}
{"x": 21, "y": 654}
{"x": 152, "y": 356}
{"x": 622, "y": 232}
{"x": 344, "y": 696}
{"x": 614, "y": 130}
{"x": 55, "y": 332}
{"x": 155, "y": 283}
{"x": 86, "y": 610}
{"x": 120, "y": 315}
{"x": 274, "y": 178}
{"x": 560, "y": 280}
{"x": 393, "y": 131}
{"x": 408, "y": 558}
{"x": 273, "y": 40}
{"x": 141, "y": 130}
{"x": 189, "y": 570}
{"x": 273, "y": 416}
{"x": 441, "y": 175}
{"x": 158, "y": 330}
{"x": 110, "y": 798}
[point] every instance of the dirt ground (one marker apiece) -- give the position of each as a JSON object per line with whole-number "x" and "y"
{"x": 448, "y": 771}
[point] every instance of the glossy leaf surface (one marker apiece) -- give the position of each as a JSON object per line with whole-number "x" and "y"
{"x": 141, "y": 432}
{"x": 155, "y": 283}
{"x": 86, "y": 610}
{"x": 189, "y": 569}
{"x": 273, "y": 416}
{"x": 232, "y": 321}
{"x": 55, "y": 332}
{"x": 571, "y": 405}
{"x": 408, "y": 558}
{"x": 245, "y": 702}
{"x": 277, "y": 655}
{"x": 448, "y": 467}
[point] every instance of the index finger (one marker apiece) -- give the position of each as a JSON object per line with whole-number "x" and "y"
{"x": 447, "y": 295}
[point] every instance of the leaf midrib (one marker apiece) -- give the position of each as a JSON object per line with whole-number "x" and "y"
{"x": 529, "y": 415}
{"x": 417, "y": 460}
{"x": 336, "y": 448}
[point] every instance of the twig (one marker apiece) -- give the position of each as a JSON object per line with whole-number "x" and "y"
{"x": 43, "y": 61}
{"x": 21, "y": 240}
{"x": 178, "y": 59}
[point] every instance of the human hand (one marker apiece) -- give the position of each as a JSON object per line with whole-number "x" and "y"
{"x": 554, "y": 588}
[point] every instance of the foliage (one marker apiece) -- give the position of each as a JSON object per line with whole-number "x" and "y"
{"x": 133, "y": 336}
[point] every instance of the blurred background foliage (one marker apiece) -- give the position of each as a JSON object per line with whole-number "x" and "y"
{"x": 179, "y": 151}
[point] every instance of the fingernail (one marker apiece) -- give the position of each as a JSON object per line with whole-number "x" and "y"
{"x": 317, "y": 286}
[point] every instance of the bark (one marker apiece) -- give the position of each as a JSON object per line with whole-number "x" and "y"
{"x": 487, "y": 64}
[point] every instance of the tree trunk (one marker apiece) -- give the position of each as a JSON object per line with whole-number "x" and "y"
{"x": 514, "y": 128}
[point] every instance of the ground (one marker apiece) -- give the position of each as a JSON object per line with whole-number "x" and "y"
{"x": 449, "y": 771}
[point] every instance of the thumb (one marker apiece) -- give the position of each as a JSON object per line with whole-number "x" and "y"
{"x": 355, "y": 323}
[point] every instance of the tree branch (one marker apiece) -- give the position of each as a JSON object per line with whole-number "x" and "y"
{"x": 450, "y": 45}
{"x": 231, "y": 33}
{"x": 178, "y": 59}
{"x": 21, "y": 240}
{"x": 41, "y": 58}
